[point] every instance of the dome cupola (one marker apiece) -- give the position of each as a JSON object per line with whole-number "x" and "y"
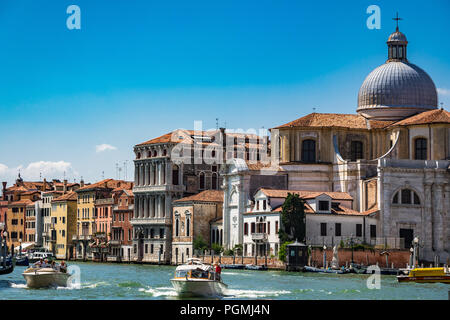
{"x": 396, "y": 89}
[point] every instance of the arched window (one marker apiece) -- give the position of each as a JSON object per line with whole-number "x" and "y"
{"x": 177, "y": 225}
{"x": 165, "y": 152}
{"x": 356, "y": 151}
{"x": 149, "y": 154}
{"x": 188, "y": 226}
{"x": 406, "y": 196}
{"x": 420, "y": 149}
{"x": 309, "y": 151}
{"x": 214, "y": 180}
{"x": 202, "y": 180}
{"x": 175, "y": 173}
{"x": 138, "y": 155}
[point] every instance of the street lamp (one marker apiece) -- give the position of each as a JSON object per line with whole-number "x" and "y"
{"x": 351, "y": 243}
{"x": 411, "y": 257}
{"x": 20, "y": 246}
{"x": 324, "y": 256}
{"x": 415, "y": 244}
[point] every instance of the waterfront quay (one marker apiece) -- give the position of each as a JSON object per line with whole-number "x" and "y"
{"x": 100, "y": 281}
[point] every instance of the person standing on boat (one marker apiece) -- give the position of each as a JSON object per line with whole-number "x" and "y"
{"x": 45, "y": 264}
{"x": 218, "y": 270}
{"x": 63, "y": 267}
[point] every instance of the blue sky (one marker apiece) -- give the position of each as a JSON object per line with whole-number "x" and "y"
{"x": 139, "y": 69}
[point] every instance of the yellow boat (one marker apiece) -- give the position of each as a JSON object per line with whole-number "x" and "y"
{"x": 426, "y": 275}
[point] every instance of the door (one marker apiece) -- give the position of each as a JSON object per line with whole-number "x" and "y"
{"x": 408, "y": 235}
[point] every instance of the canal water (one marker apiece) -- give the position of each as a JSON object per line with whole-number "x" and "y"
{"x": 129, "y": 281}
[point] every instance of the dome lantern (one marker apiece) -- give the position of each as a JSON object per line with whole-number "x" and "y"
{"x": 397, "y": 45}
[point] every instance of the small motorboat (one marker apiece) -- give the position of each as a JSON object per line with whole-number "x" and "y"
{"x": 255, "y": 267}
{"x": 320, "y": 270}
{"x": 426, "y": 275}
{"x": 45, "y": 277}
{"x": 198, "y": 279}
{"x": 35, "y": 256}
{"x": 233, "y": 266}
{"x": 22, "y": 261}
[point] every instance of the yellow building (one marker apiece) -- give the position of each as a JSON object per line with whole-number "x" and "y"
{"x": 64, "y": 224}
{"x": 86, "y": 224}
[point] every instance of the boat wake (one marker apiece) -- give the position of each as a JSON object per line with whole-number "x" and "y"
{"x": 18, "y": 285}
{"x": 240, "y": 293}
{"x": 161, "y": 291}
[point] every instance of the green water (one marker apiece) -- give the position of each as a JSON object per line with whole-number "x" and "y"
{"x": 129, "y": 281}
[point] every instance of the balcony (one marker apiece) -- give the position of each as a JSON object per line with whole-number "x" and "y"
{"x": 82, "y": 237}
{"x": 114, "y": 242}
{"x": 104, "y": 201}
{"x": 154, "y": 221}
{"x": 259, "y": 237}
{"x": 159, "y": 188}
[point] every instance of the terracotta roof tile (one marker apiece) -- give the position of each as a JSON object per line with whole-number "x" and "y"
{"x": 306, "y": 194}
{"x": 427, "y": 117}
{"x": 107, "y": 184}
{"x": 72, "y": 195}
{"x": 204, "y": 196}
{"x": 339, "y": 120}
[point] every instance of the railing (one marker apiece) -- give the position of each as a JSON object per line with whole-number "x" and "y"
{"x": 104, "y": 201}
{"x": 380, "y": 242}
{"x": 259, "y": 236}
{"x": 114, "y": 242}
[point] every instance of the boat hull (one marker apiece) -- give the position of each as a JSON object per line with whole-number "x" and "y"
{"x": 199, "y": 288}
{"x": 424, "y": 279}
{"x": 46, "y": 279}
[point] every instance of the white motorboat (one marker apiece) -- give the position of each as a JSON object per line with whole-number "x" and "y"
{"x": 198, "y": 279}
{"x": 45, "y": 277}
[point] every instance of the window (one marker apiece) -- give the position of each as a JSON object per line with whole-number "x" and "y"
{"x": 175, "y": 174}
{"x": 373, "y": 231}
{"x": 214, "y": 180}
{"x": 416, "y": 198}
{"x": 245, "y": 228}
{"x": 177, "y": 226}
{"x": 276, "y": 226}
{"x": 324, "y": 206}
{"x": 323, "y": 229}
{"x": 359, "y": 230}
{"x": 202, "y": 180}
{"x": 161, "y": 233}
{"x": 420, "y": 147}
{"x": 253, "y": 227}
{"x": 268, "y": 227}
{"x": 395, "y": 200}
{"x": 356, "y": 150}
{"x": 337, "y": 230}
{"x": 188, "y": 226}
{"x": 264, "y": 204}
{"x": 309, "y": 151}
{"x": 406, "y": 196}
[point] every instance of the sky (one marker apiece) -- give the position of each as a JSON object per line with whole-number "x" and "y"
{"x": 74, "y": 102}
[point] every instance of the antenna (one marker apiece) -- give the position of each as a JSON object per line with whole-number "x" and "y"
{"x": 125, "y": 164}
{"x": 103, "y": 175}
{"x": 217, "y": 123}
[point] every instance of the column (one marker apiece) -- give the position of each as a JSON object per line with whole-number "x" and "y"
{"x": 427, "y": 226}
{"x": 151, "y": 173}
{"x": 168, "y": 206}
{"x": 136, "y": 174}
{"x": 159, "y": 173}
{"x": 136, "y": 207}
{"x": 146, "y": 175}
{"x": 161, "y": 206}
{"x": 169, "y": 172}
{"x": 141, "y": 174}
{"x": 141, "y": 213}
{"x": 145, "y": 206}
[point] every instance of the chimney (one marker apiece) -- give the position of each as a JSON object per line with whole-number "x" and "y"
{"x": 222, "y": 136}
{"x": 44, "y": 185}
{"x": 4, "y": 189}
{"x": 81, "y": 183}
{"x": 65, "y": 186}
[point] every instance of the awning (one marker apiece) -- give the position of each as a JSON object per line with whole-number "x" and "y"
{"x": 26, "y": 245}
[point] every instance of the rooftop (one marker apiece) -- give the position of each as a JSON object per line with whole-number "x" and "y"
{"x": 305, "y": 194}
{"x": 204, "y": 196}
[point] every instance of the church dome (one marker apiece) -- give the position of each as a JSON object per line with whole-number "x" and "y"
{"x": 396, "y": 89}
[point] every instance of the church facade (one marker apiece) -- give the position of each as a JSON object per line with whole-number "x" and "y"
{"x": 392, "y": 157}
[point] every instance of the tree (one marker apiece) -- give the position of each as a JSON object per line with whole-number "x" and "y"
{"x": 200, "y": 243}
{"x": 293, "y": 219}
{"x": 217, "y": 248}
{"x": 282, "y": 252}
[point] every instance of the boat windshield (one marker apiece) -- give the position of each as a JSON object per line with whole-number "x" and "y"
{"x": 181, "y": 273}
{"x": 199, "y": 274}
